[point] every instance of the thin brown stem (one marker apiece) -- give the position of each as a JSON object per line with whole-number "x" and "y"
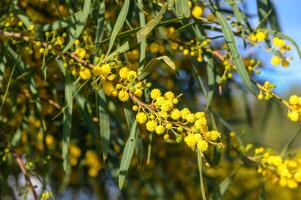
{"x": 24, "y": 172}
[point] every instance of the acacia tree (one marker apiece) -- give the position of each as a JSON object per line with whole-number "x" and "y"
{"x": 140, "y": 96}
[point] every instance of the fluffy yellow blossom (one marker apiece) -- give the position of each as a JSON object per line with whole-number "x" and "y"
{"x": 81, "y": 53}
{"x": 197, "y": 11}
{"x": 260, "y": 36}
{"x": 185, "y": 112}
{"x": 192, "y": 139}
{"x": 278, "y": 42}
{"x": 293, "y": 115}
{"x": 103, "y": 70}
{"x": 160, "y": 129}
{"x": 151, "y": 125}
{"x": 175, "y": 114}
{"x": 123, "y": 95}
{"x": 276, "y": 60}
{"x": 141, "y": 117}
{"x": 155, "y": 93}
{"x": 213, "y": 135}
{"x": 108, "y": 87}
{"x": 202, "y": 145}
{"x": 123, "y": 72}
{"x": 85, "y": 73}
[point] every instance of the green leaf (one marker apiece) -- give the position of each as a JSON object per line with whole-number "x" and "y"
{"x": 9, "y": 82}
{"x": 236, "y": 57}
{"x": 100, "y": 23}
{"x": 68, "y": 21}
{"x": 211, "y": 80}
{"x": 104, "y": 123}
{"x": 149, "y": 67}
{"x": 119, "y": 23}
{"x": 288, "y": 145}
{"x": 267, "y": 13}
{"x": 247, "y": 161}
{"x": 182, "y": 8}
{"x": 130, "y": 119}
{"x": 200, "y": 166}
{"x": 218, "y": 193}
{"x": 127, "y": 156}
{"x": 83, "y": 109}
{"x": 67, "y": 120}
{"x": 143, "y": 41}
{"x": 140, "y": 35}
{"x": 2, "y": 68}
{"x": 21, "y": 15}
{"x": 79, "y": 26}
{"x": 199, "y": 80}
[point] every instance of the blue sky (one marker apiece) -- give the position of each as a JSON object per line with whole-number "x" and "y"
{"x": 289, "y": 16}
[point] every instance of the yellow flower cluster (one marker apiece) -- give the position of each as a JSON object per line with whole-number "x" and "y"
{"x": 266, "y": 91}
{"x": 281, "y": 47}
{"x": 163, "y": 118}
{"x": 294, "y": 112}
{"x": 285, "y": 172}
{"x": 258, "y": 36}
{"x": 74, "y": 154}
{"x": 93, "y": 162}
{"x": 195, "y": 48}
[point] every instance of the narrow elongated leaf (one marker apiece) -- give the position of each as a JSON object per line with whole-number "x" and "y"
{"x": 211, "y": 80}
{"x": 2, "y": 69}
{"x": 79, "y": 27}
{"x": 21, "y": 15}
{"x": 218, "y": 193}
{"x": 83, "y": 109}
{"x": 8, "y": 83}
{"x": 143, "y": 41}
{"x": 119, "y": 23}
{"x": 104, "y": 123}
{"x": 68, "y": 21}
{"x": 149, "y": 67}
{"x": 127, "y": 156}
{"x": 288, "y": 145}
{"x": 100, "y": 23}
{"x": 140, "y": 35}
{"x": 67, "y": 120}
{"x": 182, "y": 8}
{"x": 129, "y": 116}
{"x": 200, "y": 166}
{"x": 267, "y": 14}
{"x": 199, "y": 80}
{"x": 236, "y": 57}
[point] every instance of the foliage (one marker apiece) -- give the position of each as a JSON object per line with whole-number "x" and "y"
{"x": 138, "y": 99}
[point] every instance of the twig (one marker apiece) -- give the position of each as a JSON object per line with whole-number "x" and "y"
{"x": 24, "y": 172}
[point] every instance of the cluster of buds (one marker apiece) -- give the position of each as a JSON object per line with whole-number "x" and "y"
{"x": 266, "y": 90}
{"x": 195, "y": 48}
{"x": 251, "y": 65}
{"x": 280, "y": 47}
